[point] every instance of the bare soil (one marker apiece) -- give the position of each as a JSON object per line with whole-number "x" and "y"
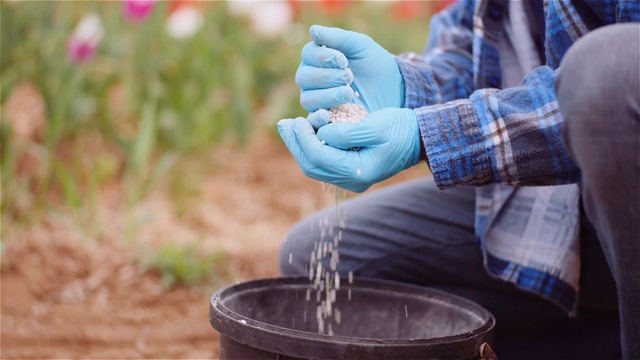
{"x": 69, "y": 292}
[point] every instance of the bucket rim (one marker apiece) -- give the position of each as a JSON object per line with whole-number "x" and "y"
{"x": 269, "y": 337}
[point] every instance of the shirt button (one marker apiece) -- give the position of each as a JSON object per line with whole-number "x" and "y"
{"x": 495, "y": 12}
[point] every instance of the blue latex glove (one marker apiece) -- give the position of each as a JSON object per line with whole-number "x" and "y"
{"x": 348, "y": 58}
{"x": 389, "y": 142}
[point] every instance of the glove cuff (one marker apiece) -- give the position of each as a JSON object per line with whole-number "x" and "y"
{"x": 417, "y": 149}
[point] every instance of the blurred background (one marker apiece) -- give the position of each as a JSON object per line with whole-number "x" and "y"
{"x": 141, "y": 168}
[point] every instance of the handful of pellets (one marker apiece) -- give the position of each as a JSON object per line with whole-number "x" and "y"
{"x": 351, "y": 113}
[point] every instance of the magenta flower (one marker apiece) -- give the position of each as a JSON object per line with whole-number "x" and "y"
{"x": 79, "y": 52}
{"x": 85, "y": 39}
{"x": 138, "y": 10}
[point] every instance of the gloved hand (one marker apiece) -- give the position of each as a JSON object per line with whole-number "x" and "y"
{"x": 348, "y": 58}
{"x": 389, "y": 142}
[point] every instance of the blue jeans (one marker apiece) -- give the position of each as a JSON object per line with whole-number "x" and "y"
{"x": 599, "y": 97}
{"x": 414, "y": 233}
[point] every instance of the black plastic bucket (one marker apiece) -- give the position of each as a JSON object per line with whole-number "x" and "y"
{"x": 272, "y": 319}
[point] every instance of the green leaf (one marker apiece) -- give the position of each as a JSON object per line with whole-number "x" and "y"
{"x": 69, "y": 185}
{"x": 144, "y": 141}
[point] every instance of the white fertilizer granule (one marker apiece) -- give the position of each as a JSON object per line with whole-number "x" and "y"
{"x": 351, "y": 113}
{"x": 325, "y": 280}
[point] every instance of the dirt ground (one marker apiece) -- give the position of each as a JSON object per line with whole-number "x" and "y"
{"x": 69, "y": 294}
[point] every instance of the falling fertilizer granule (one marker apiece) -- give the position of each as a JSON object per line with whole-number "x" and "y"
{"x": 323, "y": 265}
{"x": 323, "y": 260}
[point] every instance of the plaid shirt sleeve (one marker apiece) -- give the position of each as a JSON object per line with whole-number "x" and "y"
{"x": 511, "y": 136}
{"x": 445, "y": 71}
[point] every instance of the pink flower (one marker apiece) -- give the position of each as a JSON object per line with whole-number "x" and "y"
{"x": 85, "y": 39}
{"x": 80, "y": 51}
{"x": 138, "y": 10}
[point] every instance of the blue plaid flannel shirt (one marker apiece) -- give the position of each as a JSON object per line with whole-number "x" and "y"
{"x": 476, "y": 133}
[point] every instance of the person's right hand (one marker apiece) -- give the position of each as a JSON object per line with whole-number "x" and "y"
{"x": 388, "y": 142}
{"x": 349, "y": 58}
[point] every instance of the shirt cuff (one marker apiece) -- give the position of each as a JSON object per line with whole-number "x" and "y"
{"x": 416, "y": 84}
{"x": 453, "y": 142}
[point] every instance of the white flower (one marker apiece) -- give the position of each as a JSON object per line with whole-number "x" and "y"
{"x": 184, "y": 22}
{"x": 89, "y": 30}
{"x": 268, "y": 18}
{"x": 271, "y": 18}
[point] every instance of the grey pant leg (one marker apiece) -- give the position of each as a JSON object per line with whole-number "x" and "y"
{"x": 598, "y": 94}
{"x": 414, "y": 233}
{"x": 390, "y": 234}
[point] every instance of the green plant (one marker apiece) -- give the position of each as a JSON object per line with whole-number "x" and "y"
{"x": 175, "y": 99}
{"x": 185, "y": 264}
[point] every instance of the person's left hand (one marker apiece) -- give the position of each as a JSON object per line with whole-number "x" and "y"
{"x": 338, "y": 62}
{"x": 388, "y": 142}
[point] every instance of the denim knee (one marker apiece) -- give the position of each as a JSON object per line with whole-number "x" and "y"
{"x": 597, "y": 84}
{"x": 596, "y": 73}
